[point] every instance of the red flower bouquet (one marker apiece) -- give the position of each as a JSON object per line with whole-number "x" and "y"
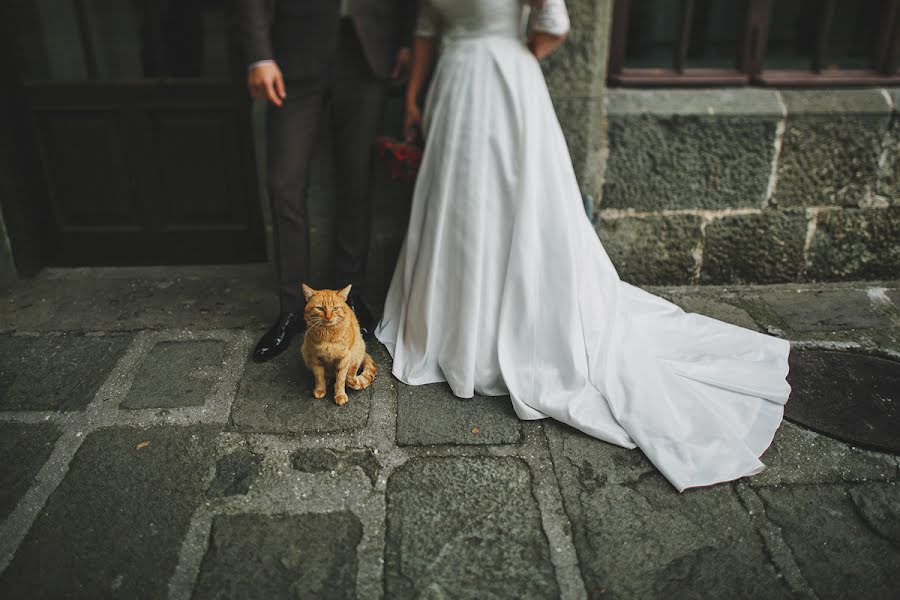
{"x": 402, "y": 158}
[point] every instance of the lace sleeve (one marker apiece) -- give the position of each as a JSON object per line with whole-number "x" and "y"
{"x": 428, "y": 23}
{"x": 551, "y": 18}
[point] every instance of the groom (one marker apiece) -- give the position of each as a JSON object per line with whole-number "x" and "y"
{"x": 303, "y": 55}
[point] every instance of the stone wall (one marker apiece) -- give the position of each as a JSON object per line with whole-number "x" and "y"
{"x": 576, "y": 77}
{"x": 752, "y": 185}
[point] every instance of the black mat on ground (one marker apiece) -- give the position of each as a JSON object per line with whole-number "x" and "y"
{"x": 848, "y": 396}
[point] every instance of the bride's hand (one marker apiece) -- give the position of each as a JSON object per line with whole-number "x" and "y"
{"x": 412, "y": 123}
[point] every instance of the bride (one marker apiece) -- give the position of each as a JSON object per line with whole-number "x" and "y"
{"x": 502, "y": 286}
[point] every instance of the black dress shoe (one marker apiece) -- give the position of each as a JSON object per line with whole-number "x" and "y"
{"x": 278, "y": 338}
{"x": 363, "y": 315}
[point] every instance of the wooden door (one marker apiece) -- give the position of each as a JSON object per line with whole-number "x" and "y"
{"x": 141, "y": 131}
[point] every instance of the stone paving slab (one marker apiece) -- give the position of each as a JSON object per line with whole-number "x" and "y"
{"x": 176, "y": 374}
{"x": 431, "y": 414}
{"x": 127, "y": 299}
{"x": 716, "y": 309}
{"x": 799, "y": 456}
{"x": 337, "y": 462}
{"x": 879, "y": 506}
{"x": 276, "y": 396}
{"x": 893, "y": 296}
{"x": 846, "y": 395}
{"x": 59, "y": 372}
{"x": 235, "y": 474}
{"x": 828, "y": 310}
{"x": 840, "y": 553}
{"x": 114, "y": 526}
{"x": 281, "y": 556}
{"x": 23, "y": 451}
{"x": 465, "y": 528}
{"x": 637, "y": 537}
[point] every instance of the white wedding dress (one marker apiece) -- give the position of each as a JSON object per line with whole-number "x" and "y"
{"x": 503, "y": 287}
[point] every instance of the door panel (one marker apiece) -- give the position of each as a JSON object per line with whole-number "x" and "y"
{"x": 142, "y": 124}
{"x": 199, "y": 160}
{"x": 87, "y": 170}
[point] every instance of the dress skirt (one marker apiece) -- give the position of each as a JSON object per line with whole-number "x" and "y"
{"x": 503, "y": 287}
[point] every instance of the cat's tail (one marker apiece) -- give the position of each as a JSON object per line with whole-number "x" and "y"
{"x": 364, "y": 379}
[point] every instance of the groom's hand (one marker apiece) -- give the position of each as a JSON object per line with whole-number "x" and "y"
{"x": 265, "y": 81}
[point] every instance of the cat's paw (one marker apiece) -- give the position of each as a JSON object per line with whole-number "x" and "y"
{"x": 340, "y": 399}
{"x": 319, "y": 393}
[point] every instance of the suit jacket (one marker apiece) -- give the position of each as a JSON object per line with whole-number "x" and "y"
{"x": 302, "y": 35}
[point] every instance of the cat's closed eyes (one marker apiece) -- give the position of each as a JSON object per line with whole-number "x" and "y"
{"x": 333, "y": 345}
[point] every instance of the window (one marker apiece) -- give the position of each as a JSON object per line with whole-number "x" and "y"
{"x": 761, "y": 42}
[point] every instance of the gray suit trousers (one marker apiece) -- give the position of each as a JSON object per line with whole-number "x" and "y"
{"x": 356, "y": 98}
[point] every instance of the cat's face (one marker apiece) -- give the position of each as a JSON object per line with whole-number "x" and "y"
{"x": 325, "y": 308}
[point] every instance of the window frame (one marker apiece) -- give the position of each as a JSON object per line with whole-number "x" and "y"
{"x": 750, "y": 62}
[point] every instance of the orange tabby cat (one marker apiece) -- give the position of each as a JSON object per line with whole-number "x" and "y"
{"x": 333, "y": 344}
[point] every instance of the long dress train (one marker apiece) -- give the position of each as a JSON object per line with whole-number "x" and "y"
{"x": 502, "y": 285}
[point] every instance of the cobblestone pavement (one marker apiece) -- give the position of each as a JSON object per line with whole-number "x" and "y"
{"x": 143, "y": 456}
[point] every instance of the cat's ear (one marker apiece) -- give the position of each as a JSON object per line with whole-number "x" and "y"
{"x": 345, "y": 293}
{"x": 307, "y": 292}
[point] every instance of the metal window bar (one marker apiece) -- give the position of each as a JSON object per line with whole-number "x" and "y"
{"x": 756, "y": 32}
{"x": 684, "y": 35}
{"x": 750, "y": 64}
{"x": 618, "y": 36}
{"x": 887, "y": 48}
{"x": 826, "y": 18}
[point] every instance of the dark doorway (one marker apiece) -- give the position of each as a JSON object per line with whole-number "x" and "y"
{"x": 139, "y": 131}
